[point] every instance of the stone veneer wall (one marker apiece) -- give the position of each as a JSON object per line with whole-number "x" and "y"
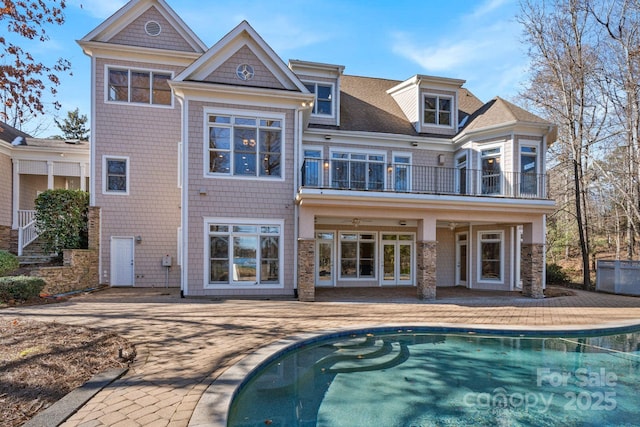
{"x": 306, "y": 277}
{"x": 79, "y": 271}
{"x": 5, "y": 238}
{"x": 426, "y": 270}
{"x": 532, "y": 258}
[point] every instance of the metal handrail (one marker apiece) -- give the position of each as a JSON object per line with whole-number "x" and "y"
{"x": 339, "y": 174}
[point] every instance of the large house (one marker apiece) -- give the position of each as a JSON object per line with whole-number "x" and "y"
{"x": 227, "y": 172}
{"x": 29, "y": 166}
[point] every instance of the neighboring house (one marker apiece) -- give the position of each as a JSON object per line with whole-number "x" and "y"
{"x": 29, "y": 166}
{"x": 225, "y": 171}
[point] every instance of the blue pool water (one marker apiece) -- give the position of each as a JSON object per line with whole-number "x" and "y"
{"x": 418, "y": 377}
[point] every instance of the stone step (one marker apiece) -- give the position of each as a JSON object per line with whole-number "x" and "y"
{"x": 34, "y": 259}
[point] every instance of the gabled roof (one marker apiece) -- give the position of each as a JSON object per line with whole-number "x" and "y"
{"x": 132, "y": 10}
{"x": 500, "y": 112}
{"x": 242, "y": 35}
{"x": 9, "y": 133}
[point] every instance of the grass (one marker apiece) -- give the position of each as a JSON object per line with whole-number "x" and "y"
{"x": 42, "y": 362}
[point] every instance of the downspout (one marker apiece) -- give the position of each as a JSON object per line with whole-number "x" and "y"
{"x": 184, "y": 207}
{"x": 297, "y": 142}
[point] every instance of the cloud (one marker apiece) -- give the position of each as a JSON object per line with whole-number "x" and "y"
{"x": 98, "y": 8}
{"x": 486, "y": 8}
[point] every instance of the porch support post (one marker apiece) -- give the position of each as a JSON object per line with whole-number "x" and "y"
{"x": 426, "y": 257}
{"x": 532, "y": 259}
{"x": 426, "y": 270}
{"x": 49, "y": 175}
{"x": 306, "y": 276}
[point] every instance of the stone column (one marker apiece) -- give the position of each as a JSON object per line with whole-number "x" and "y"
{"x": 532, "y": 261}
{"x": 94, "y": 227}
{"x": 306, "y": 274}
{"x": 426, "y": 257}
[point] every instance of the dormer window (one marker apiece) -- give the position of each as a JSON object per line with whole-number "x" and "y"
{"x": 437, "y": 110}
{"x": 323, "y": 105}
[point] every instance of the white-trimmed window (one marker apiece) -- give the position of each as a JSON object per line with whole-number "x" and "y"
{"x": 138, "y": 86}
{"x": 437, "y": 110}
{"x": 491, "y": 256}
{"x": 323, "y": 105}
{"x": 358, "y": 170}
{"x": 529, "y": 166}
{"x": 244, "y": 145}
{"x": 401, "y": 169}
{"x": 357, "y": 255}
{"x": 244, "y": 253}
{"x": 115, "y": 175}
{"x": 490, "y": 160}
{"x": 462, "y": 177}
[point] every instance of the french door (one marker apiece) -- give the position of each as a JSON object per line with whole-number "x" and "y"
{"x": 397, "y": 259}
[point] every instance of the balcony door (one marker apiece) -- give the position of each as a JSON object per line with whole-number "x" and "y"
{"x": 397, "y": 259}
{"x": 325, "y": 256}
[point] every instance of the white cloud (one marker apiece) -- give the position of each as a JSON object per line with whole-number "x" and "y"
{"x": 486, "y": 8}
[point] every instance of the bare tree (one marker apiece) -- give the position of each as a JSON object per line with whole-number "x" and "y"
{"x": 565, "y": 64}
{"x": 23, "y": 79}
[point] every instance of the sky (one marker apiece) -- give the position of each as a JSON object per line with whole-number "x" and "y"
{"x": 475, "y": 40}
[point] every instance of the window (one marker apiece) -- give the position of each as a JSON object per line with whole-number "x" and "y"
{"x": 461, "y": 175}
{"x": 490, "y": 268}
{"x": 491, "y": 171}
{"x": 244, "y": 146}
{"x": 140, "y": 87}
{"x": 323, "y": 105}
{"x": 357, "y": 255}
{"x": 115, "y": 175}
{"x": 244, "y": 254}
{"x": 357, "y": 171}
{"x": 437, "y": 110}
{"x": 313, "y": 165}
{"x": 401, "y": 169}
{"x": 528, "y": 170}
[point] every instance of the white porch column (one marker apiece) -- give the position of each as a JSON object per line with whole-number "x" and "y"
{"x": 49, "y": 175}
{"x": 16, "y": 192}
{"x": 83, "y": 177}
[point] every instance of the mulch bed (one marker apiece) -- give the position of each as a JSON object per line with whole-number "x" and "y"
{"x": 42, "y": 362}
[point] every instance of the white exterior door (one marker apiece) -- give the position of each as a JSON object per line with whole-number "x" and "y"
{"x": 325, "y": 259}
{"x": 397, "y": 259}
{"x": 122, "y": 261}
{"x": 462, "y": 261}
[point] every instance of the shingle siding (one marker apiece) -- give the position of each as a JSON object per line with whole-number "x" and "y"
{"x": 6, "y": 189}
{"x": 226, "y": 73}
{"x": 149, "y": 137}
{"x": 134, "y": 34}
{"x": 230, "y": 197}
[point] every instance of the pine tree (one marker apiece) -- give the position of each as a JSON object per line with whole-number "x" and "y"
{"x": 73, "y": 127}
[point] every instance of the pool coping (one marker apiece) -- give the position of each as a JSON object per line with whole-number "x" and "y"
{"x": 213, "y": 407}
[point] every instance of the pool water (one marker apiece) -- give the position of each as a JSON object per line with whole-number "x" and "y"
{"x": 414, "y": 378}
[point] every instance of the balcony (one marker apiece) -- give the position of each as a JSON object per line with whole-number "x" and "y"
{"x": 417, "y": 179}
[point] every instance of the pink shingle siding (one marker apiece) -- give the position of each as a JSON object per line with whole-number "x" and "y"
{"x": 149, "y": 137}
{"x": 6, "y": 199}
{"x": 236, "y": 198}
{"x": 226, "y": 73}
{"x": 134, "y": 34}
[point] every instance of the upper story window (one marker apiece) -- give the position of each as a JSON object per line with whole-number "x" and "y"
{"x": 115, "y": 175}
{"x": 358, "y": 171}
{"x": 244, "y": 146}
{"x": 491, "y": 170}
{"x": 323, "y": 105}
{"x": 138, "y": 86}
{"x": 438, "y": 110}
{"x": 529, "y": 170}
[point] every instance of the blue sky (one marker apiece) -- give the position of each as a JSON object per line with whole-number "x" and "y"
{"x": 478, "y": 41}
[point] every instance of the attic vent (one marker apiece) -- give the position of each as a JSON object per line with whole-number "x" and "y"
{"x": 152, "y": 28}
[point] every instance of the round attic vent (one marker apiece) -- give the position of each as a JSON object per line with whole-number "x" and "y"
{"x": 152, "y": 28}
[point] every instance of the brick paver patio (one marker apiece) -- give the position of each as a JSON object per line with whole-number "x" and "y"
{"x": 184, "y": 344}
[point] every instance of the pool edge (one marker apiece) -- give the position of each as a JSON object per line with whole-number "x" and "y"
{"x": 213, "y": 407}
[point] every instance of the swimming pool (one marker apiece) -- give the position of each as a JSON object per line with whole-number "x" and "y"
{"x": 447, "y": 377}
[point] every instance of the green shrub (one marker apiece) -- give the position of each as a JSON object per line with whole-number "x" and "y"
{"x": 556, "y": 275}
{"x": 61, "y": 219}
{"x": 8, "y": 263}
{"x": 20, "y": 288}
